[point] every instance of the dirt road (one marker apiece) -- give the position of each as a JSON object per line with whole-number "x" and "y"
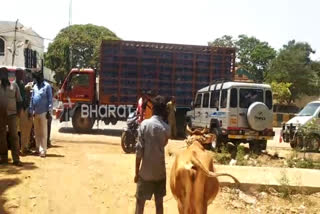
{"x": 86, "y": 174}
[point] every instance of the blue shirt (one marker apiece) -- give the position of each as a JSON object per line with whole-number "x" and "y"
{"x": 41, "y": 98}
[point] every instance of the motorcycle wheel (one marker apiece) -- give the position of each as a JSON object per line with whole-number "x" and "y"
{"x": 127, "y": 142}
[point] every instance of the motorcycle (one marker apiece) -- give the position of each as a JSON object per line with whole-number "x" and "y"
{"x": 130, "y": 134}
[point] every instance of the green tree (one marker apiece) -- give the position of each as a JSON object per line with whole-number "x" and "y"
{"x": 281, "y": 92}
{"x": 76, "y": 46}
{"x": 254, "y": 56}
{"x": 293, "y": 64}
{"x": 224, "y": 41}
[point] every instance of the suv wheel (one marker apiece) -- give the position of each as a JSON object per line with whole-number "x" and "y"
{"x": 257, "y": 146}
{"x": 218, "y": 137}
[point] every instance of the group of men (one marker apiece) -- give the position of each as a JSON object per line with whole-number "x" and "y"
{"x": 23, "y": 105}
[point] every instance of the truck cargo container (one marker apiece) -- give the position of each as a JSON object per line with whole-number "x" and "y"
{"x": 128, "y": 68}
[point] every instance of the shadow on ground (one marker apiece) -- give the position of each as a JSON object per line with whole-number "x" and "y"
{"x": 111, "y": 132}
{"x": 11, "y": 169}
{"x": 5, "y": 184}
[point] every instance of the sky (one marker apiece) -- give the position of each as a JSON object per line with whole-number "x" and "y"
{"x": 176, "y": 21}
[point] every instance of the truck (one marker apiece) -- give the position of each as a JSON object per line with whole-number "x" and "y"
{"x": 130, "y": 68}
{"x": 303, "y": 130}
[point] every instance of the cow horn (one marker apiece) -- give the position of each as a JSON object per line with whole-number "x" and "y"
{"x": 204, "y": 131}
{"x": 189, "y": 131}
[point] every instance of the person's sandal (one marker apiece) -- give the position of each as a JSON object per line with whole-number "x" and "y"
{"x": 17, "y": 163}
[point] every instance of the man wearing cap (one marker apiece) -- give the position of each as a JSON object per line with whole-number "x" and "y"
{"x": 41, "y": 108}
{"x": 12, "y": 93}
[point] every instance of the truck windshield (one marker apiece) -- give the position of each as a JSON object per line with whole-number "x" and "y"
{"x": 249, "y": 96}
{"x": 309, "y": 109}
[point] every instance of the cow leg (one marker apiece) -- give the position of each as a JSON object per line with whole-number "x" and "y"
{"x": 140, "y": 206}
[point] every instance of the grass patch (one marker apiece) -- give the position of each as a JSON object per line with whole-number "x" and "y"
{"x": 284, "y": 189}
{"x": 240, "y": 157}
{"x": 224, "y": 157}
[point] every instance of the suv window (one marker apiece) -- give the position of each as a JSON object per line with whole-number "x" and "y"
{"x": 224, "y": 98}
{"x": 234, "y": 98}
{"x": 249, "y": 96}
{"x": 198, "y": 101}
{"x": 269, "y": 99}
{"x": 205, "y": 103}
{"x": 214, "y": 100}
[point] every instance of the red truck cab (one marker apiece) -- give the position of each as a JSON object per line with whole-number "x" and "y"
{"x": 78, "y": 87}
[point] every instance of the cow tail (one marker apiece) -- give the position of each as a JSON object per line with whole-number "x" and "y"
{"x": 197, "y": 163}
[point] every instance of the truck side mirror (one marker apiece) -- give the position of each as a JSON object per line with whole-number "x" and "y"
{"x": 191, "y": 104}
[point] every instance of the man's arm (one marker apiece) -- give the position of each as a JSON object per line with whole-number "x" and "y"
{"x": 49, "y": 94}
{"x": 18, "y": 98}
{"x": 31, "y": 106}
{"x": 139, "y": 152}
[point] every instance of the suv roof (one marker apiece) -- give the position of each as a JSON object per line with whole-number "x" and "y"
{"x": 227, "y": 85}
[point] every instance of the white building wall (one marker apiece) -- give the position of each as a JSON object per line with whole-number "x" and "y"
{"x": 25, "y": 38}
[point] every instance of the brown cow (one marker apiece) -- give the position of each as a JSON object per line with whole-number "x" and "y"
{"x": 193, "y": 179}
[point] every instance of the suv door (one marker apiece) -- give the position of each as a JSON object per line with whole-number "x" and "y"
{"x": 233, "y": 108}
{"x": 204, "y": 118}
{"x": 197, "y": 111}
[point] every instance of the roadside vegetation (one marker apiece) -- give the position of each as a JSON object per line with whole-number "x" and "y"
{"x": 242, "y": 156}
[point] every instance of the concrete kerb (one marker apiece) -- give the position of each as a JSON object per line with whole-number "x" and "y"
{"x": 261, "y": 178}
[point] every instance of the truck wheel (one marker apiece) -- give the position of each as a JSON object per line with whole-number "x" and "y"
{"x": 127, "y": 142}
{"x": 314, "y": 143}
{"x": 81, "y": 124}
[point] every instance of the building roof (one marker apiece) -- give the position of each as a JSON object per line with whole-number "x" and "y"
{"x": 9, "y": 26}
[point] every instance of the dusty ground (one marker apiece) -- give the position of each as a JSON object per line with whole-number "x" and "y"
{"x": 91, "y": 174}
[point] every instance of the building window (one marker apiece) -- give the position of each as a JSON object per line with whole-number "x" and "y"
{"x": 30, "y": 58}
{"x": 1, "y": 47}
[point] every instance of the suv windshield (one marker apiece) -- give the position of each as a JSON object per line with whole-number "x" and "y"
{"x": 249, "y": 96}
{"x": 309, "y": 109}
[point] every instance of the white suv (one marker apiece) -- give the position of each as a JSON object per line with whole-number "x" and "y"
{"x": 236, "y": 112}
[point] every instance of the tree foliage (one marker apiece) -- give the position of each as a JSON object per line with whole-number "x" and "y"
{"x": 293, "y": 64}
{"x": 82, "y": 42}
{"x": 281, "y": 92}
{"x": 224, "y": 41}
{"x": 252, "y": 54}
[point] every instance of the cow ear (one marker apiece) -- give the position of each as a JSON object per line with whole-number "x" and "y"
{"x": 209, "y": 138}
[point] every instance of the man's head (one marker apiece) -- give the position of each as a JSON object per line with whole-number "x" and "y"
{"x": 19, "y": 74}
{"x": 38, "y": 76}
{"x": 4, "y": 77}
{"x": 173, "y": 99}
{"x": 159, "y": 106}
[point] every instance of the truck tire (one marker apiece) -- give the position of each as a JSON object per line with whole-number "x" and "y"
{"x": 81, "y": 125}
{"x": 314, "y": 143}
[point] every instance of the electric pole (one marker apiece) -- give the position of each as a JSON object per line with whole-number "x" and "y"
{"x": 14, "y": 42}
{"x": 70, "y": 23}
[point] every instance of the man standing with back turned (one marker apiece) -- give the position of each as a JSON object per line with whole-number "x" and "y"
{"x": 41, "y": 107}
{"x": 153, "y": 135}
